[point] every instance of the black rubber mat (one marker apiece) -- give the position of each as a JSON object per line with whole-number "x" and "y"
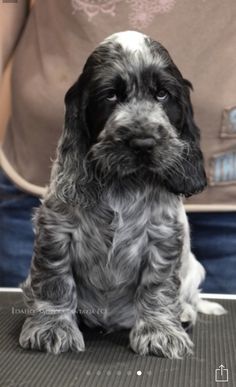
{"x": 109, "y": 362}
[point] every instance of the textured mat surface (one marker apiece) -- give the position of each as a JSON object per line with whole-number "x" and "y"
{"x": 108, "y": 362}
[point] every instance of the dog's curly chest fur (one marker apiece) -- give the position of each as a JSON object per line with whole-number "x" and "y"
{"x": 113, "y": 246}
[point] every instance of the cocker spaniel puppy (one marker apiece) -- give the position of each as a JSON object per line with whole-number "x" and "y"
{"x": 112, "y": 244}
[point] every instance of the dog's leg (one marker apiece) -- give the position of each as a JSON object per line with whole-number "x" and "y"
{"x": 50, "y": 290}
{"x": 158, "y": 328}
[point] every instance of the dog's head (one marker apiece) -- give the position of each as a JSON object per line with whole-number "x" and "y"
{"x": 130, "y": 113}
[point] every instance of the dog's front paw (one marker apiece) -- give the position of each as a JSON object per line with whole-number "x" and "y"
{"x": 209, "y": 307}
{"x": 168, "y": 341}
{"x": 51, "y": 335}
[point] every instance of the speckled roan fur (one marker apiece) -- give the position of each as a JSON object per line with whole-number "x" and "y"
{"x": 112, "y": 244}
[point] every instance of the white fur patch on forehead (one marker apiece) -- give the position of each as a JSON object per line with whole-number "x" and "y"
{"x": 129, "y": 40}
{"x": 136, "y": 43}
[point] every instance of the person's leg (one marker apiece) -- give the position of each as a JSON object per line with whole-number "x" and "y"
{"x": 16, "y": 232}
{"x": 213, "y": 237}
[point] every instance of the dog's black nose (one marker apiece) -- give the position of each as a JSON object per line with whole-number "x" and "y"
{"x": 146, "y": 143}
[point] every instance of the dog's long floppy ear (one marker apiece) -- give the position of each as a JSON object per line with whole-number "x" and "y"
{"x": 191, "y": 178}
{"x": 69, "y": 173}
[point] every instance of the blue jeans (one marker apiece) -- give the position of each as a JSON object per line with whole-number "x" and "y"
{"x": 213, "y": 236}
{"x": 16, "y": 233}
{"x": 213, "y": 241}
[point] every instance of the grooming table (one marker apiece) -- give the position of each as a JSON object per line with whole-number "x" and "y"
{"x": 108, "y": 361}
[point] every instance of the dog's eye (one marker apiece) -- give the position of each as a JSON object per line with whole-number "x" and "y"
{"x": 112, "y": 97}
{"x": 162, "y": 95}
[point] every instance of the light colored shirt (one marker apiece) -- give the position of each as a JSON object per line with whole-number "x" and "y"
{"x": 60, "y": 34}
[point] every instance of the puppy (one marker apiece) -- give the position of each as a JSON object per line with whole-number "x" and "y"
{"x": 112, "y": 244}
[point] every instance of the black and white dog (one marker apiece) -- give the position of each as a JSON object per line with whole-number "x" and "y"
{"x": 112, "y": 245}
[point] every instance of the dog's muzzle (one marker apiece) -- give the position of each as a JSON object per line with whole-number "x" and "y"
{"x": 136, "y": 135}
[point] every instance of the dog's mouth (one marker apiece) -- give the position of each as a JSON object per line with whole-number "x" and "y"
{"x": 110, "y": 158}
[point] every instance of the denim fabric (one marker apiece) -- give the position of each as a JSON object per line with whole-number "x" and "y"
{"x": 16, "y": 233}
{"x": 213, "y": 240}
{"x": 214, "y": 244}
